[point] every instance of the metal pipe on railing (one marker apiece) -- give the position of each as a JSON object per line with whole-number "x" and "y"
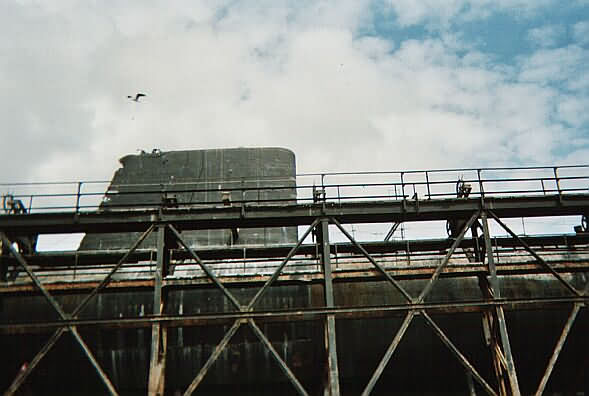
{"x": 78, "y": 197}
{"x": 557, "y": 181}
{"x": 429, "y": 195}
{"x": 345, "y": 191}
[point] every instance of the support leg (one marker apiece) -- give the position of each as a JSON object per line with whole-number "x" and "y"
{"x": 330, "y": 336}
{"x": 511, "y": 373}
{"x": 158, "y": 332}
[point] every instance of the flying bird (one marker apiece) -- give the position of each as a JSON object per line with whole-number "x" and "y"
{"x": 137, "y": 97}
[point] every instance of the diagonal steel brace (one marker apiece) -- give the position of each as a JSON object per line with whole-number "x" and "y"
{"x": 206, "y": 269}
{"x": 231, "y": 332}
{"x": 389, "y": 353}
{"x": 289, "y": 374}
{"x": 467, "y": 365}
{"x": 535, "y": 255}
{"x": 444, "y": 262}
{"x": 388, "y": 276}
{"x": 216, "y": 352}
{"x": 22, "y": 376}
{"x": 276, "y": 273}
{"x": 556, "y": 353}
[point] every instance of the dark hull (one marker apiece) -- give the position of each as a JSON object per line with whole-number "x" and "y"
{"x": 421, "y": 364}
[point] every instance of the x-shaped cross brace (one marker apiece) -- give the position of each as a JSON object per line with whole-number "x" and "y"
{"x": 21, "y": 377}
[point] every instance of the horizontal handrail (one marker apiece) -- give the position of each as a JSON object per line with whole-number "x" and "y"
{"x": 328, "y": 187}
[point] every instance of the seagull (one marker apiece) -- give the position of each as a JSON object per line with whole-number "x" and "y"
{"x": 136, "y": 98}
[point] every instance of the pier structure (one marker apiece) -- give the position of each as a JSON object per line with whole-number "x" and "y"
{"x": 483, "y": 309}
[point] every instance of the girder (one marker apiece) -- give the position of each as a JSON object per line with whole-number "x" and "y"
{"x": 363, "y": 262}
{"x": 229, "y": 217}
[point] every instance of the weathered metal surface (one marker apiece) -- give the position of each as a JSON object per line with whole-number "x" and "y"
{"x": 557, "y": 349}
{"x": 354, "y": 270}
{"x": 388, "y": 354}
{"x": 159, "y": 333}
{"x": 116, "y": 304}
{"x": 499, "y": 314}
{"x": 333, "y": 386}
{"x": 313, "y": 311}
{"x": 199, "y": 178}
{"x": 291, "y": 215}
{"x": 566, "y": 242}
{"x": 456, "y": 352}
{"x": 292, "y": 315}
{"x": 57, "y": 307}
{"x": 540, "y": 259}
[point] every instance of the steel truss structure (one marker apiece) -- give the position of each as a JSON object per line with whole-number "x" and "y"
{"x": 169, "y": 223}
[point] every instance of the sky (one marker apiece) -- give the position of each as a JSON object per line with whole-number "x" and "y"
{"x": 348, "y": 85}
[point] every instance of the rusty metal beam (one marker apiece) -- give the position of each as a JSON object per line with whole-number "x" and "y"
{"x": 21, "y": 377}
{"x": 330, "y": 335}
{"x": 206, "y": 269}
{"x": 342, "y": 275}
{"x": 107, "y": 257}
{"x": 387, "y": 276}
{"x": 556, "y": 353}
{"x": 443, "y": 264}
{"x": 289, "y": 215}
{"x": 458, "y": 354}
{"x": 31, "y": 275}
{"x": 287, "y": 372}
{"x": 496, "y": 293}
{"x": 108, "y": 277}
{"x": 389, "y": 353}
{"x": 298, "y": 314}
{"x": 157, "y": 363}
{"x": 110, "y": 387}
{"x": 216, "y": 352}
{"x": 491, "y": 333}
{"x": 278, "y": 270}
{"x": 535, "y": 255}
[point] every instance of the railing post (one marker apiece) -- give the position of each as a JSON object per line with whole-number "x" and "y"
{"x": 402, "y": 187}
{"x": 481, "y": 188}
{"x": 78, "y": 197}
{"x": 557, "y": 181}
{"x": 429, "y": 194}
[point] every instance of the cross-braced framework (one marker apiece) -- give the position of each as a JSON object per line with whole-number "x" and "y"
{"x": 471, "y": 215}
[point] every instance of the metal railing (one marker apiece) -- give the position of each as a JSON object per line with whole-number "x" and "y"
{"x": 332, "y": 187}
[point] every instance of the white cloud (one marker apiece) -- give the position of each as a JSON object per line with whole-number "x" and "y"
{"x": 231, "y": 74}
{"x": 546, "y": 36}
{"x": 581, "y": 32}
{"x": 443, "y": 12}
{"x": 565, "y": 64}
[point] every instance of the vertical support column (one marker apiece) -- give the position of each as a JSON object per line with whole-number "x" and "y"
{"x": 330, "y": 337}
{"x": 492, "y": 339}
{"x": 496, "y": 293}
{"x": 158, "y": 332}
